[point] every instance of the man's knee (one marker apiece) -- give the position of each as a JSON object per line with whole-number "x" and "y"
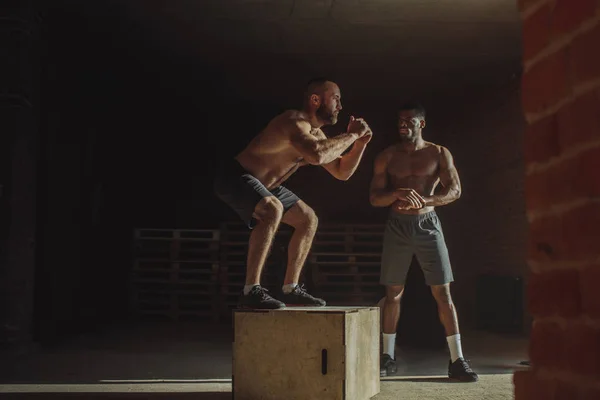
{"x": 269, "y": 209}
{"x": 301, "y": 216}
{"x": 309, "y": 220}
{"x": 442, "y": 294}
{"x": 394, "y": 293}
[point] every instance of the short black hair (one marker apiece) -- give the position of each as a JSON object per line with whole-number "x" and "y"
{"x": 315, "y": 85}
{"x": 414, "y": 105}
{"x": 320, "y": 80}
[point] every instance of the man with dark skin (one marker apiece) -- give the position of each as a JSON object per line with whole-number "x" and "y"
{"x": 405, "y": 178}
{"x": 251, "y": 184}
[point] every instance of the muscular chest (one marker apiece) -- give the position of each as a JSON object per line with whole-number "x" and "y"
{"x": 412, "y": 164}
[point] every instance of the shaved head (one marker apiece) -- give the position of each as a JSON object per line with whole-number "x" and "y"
{"x": 323, "y": 98}
{"x": 317, "y": 86}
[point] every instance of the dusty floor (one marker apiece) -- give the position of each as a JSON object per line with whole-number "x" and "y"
{"x": 193, "y": 361}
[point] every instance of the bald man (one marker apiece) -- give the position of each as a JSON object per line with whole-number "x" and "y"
{"x": 251, "y": 184}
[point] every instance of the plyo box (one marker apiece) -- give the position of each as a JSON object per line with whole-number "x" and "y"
{"x": 301, "y": 353}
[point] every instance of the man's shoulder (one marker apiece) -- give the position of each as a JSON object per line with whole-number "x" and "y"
{"x": 293, "y": 116}
{"x": 387, "y": 152}
{"x": 439, "y": 148}
{"x": 292, "y": 119}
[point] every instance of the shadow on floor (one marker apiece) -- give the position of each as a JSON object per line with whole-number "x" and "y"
{"x": 191, "y": 353}
{"x": 422, "y": 380}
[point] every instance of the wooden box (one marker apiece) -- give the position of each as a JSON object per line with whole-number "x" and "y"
{"x": 306, "y": 353}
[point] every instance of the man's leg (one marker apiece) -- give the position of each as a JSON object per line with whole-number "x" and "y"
{"x": 262, "y": 211}
{"x": 395, "y": 262}
{"x": 458, "y": 367}
{"x": 446, "y": 310}
{"x": 304, "y": 221}
{"x": 448, "y": 318}
{"x": 267, "y": 213}
{"x": 434, "y": 259}
{"x": 390, "y": 317}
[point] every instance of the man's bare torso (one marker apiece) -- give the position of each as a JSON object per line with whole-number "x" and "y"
{"x": 270, "y": 156}
{"x": 417, "y": 170}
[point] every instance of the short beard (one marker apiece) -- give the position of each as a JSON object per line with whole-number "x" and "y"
{"x": 325, "y": 116}
{"x": 409, "y": 139}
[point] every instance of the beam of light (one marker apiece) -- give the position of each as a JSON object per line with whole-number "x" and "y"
{"x": 123, "y": 386}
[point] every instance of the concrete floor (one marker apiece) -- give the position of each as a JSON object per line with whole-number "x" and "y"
{"x": 193, "y": 361}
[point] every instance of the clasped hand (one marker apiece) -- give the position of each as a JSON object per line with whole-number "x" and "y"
{"x": 409, "y": 199}
{"x": 360, "y": 127}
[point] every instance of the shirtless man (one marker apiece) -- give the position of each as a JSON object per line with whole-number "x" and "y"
{"x": 251, "y": 184}
{"x": 405, "y": 177}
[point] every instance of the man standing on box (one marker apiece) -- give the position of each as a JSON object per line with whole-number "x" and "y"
{"x": 251, "y": 184}
{"x": 405, "y": 177}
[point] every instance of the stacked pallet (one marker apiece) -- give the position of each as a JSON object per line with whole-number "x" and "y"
{"x": 182, "y": 274}
{"x": 175, "y": 273}
{"x": 233, "y": 259}
{"x": 345, "y": 263}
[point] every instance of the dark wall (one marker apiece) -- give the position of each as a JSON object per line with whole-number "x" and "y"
{"x": 18, "y": 148}
{"x": 132, "y": 129}
{"x": 130, "y": 133}
{"x": 485, "y": 229}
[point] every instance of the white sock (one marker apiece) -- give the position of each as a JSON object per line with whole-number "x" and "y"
{"x": 454, "y": 346}
{"x": 289, "y": 287}
{"x": 389, "y": 343}
{"x": 248, "y": 288}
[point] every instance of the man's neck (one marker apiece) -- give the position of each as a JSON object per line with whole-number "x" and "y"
{"x": 412, "y": 145}
{"x": 312, "y": 119}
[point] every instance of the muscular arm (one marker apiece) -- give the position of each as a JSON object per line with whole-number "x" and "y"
{"x": 379, "y": 195}
{"x": 345, "y": 166}
{"x": 451, "y": 189}
{"x": 320, "y": 150}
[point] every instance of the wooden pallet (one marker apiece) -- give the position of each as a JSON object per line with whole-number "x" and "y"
{"x": 348, "y": 237}
{"x": 347, "y": 279}
{"x": 345, "y": 261}
{"x": 181, "y": 274}
{"x": 345, "y": 264}
{"x": 175, "y": 273}
{"x": 359, "y": 266}
{"x": 145, "y": 270}
{"x": 344, "y": 258}
{"x": 177, "y": 244}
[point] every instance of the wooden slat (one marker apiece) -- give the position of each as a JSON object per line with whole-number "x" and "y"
{"x": 343, "y": 264}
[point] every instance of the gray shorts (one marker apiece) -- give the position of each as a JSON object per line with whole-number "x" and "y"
{"x": 242, "y": 191}
{"x": 422, "y": 236}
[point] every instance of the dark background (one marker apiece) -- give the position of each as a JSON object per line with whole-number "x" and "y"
{"x": 116, "y": 113}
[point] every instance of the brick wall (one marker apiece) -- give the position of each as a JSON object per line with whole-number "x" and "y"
{"x": 561, "y": 103}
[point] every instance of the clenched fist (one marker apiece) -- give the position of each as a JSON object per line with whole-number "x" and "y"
{"x": 359, "y": 126}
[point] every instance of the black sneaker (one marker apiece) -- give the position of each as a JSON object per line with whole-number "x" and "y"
{"x": 388, "y": 365}
{"x": 299, "y": 297}
{"x": 460, "y": 370}
{"x": 259, "y": 298}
